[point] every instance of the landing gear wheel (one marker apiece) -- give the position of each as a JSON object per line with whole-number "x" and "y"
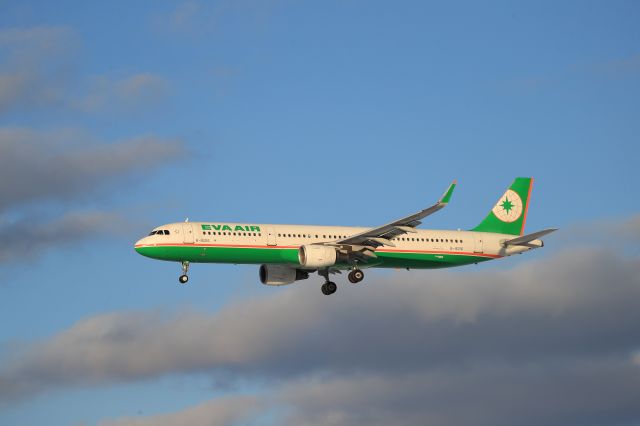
{"x": 356, "y": 276}
{"x": 329, "y": 288}
{"x": 185, "y": 270}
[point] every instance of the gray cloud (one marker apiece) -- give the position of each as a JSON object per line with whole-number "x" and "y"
{"x": 555, "y": 338}
{"x": 40, "y": 168}
{"x": 562, "y": 393}
{"x": 628, "y": 65}
{"x": 621, "y": 233}
{"x": 30, "y": 236}
{"x": 34, "y": 66}
{"x": 198, "y": 18}
{"x": 128, "y": 93}
{"x": 61, "y": 165}
{"x": 37, "y": 70}
{"x": 225, "y": 411}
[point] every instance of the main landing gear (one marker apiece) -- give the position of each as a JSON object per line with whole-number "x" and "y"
{"x": 329, "y": 287}
{"x": 185, "y": 269}
{"x": 355, "y": 276}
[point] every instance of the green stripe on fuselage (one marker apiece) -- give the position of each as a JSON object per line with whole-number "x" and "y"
{"x": 273, "y": 255}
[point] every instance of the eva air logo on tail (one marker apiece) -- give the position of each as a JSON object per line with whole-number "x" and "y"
{"x": 509, "y": 207}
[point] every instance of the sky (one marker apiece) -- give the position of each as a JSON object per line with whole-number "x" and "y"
{"x": 118, "y": 117}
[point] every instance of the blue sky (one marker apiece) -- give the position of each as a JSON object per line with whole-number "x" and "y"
{"x": 116, "y": 118}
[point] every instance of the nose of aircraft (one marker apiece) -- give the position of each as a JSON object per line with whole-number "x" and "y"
{"x": 139, "y": 244}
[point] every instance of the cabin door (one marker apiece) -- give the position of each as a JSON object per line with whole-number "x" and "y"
{"x": 478, "y": 243}
{"x": 271, "y": 237}
{"x": 187, "y": 232}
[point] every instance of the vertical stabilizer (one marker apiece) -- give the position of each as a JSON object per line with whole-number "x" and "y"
{"x": 509, "y": 214}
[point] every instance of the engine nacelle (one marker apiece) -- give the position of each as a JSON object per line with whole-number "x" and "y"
{"x": 317, "y": 256}
{"x": 280, "y": 274}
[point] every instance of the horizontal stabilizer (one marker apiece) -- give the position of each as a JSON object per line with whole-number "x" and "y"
{"x": 529, "y": 237}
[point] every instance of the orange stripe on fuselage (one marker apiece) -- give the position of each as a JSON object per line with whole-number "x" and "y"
{"x": 493, "y": 256}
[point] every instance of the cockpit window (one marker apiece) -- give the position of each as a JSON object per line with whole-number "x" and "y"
{"x": 166, "y": 232}
{"x": 152, "y": 233}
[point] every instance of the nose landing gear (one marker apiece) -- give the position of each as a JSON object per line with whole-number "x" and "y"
{"x": 185, "y": 269}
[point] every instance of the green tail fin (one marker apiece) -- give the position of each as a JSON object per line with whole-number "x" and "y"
{"x": 509, "y": 214}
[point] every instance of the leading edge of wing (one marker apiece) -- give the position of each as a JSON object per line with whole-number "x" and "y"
{"x": 397, "y": 227}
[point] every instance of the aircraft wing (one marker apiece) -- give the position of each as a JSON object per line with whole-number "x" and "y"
{"x": 381, "y": 236}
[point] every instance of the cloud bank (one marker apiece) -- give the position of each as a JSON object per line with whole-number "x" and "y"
{"x": 552, "y": 341}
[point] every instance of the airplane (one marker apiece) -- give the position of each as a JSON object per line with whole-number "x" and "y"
{"x": 289, "y": 253}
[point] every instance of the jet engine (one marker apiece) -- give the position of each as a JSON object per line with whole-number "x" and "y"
{"x": 317, "y": 256}
{"x": 280, "y": 274}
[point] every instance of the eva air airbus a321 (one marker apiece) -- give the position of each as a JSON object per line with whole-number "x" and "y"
{"x": 288, "y": 253}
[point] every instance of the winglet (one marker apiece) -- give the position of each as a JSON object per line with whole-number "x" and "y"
{"x": 447, "y": 195}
